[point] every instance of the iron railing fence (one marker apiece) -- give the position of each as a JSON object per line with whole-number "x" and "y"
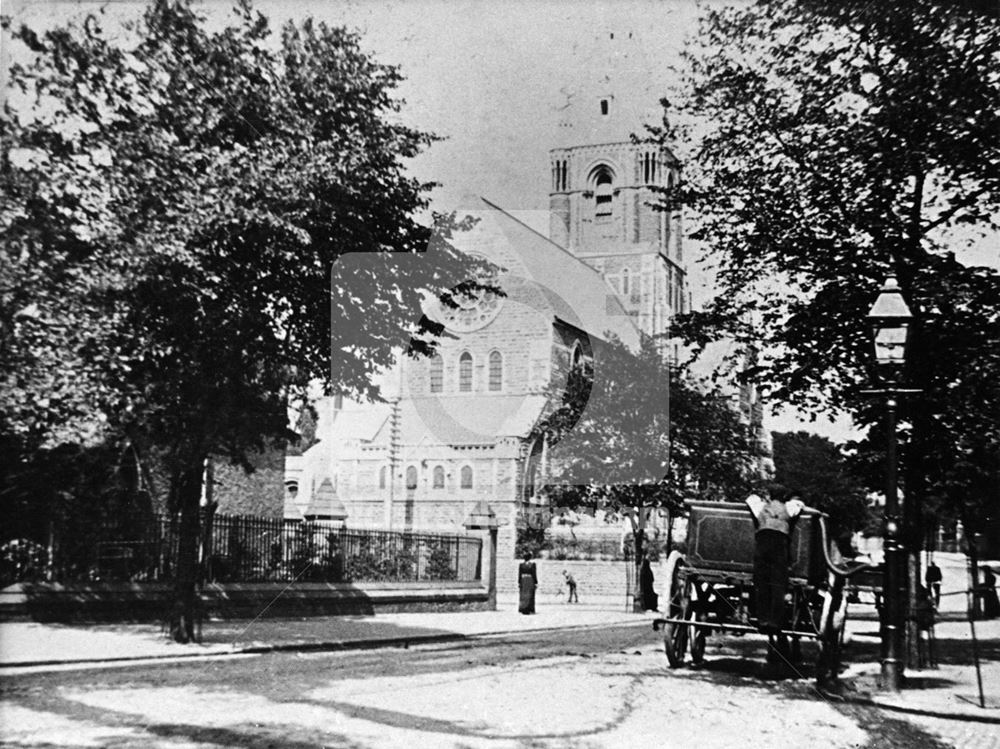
{"x": 244, "y": 549}
{"x": 248, "y": 550}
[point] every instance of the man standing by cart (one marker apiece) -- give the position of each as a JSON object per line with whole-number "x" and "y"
{"x": 773, "y": 517}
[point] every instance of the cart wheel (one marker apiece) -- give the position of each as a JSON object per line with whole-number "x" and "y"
{"x": 695, "y": 594}
{"x": 675, "y": 636}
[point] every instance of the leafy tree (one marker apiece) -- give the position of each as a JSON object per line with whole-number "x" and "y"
{"x": 179, "y": 209}
{"x": 633, "y": 433}
{"x": 305, "y": 428}
{"x": 815, "y": 467}
{"x": 833, "y": 145}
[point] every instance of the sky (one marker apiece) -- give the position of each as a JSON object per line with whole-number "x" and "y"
{"x": 492, "y": 79}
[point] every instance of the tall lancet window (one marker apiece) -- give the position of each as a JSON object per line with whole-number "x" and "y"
{"x": 496, "y": 371}
{"x": 560, "y": 176}
{"x": 437, "y": 374}
{"x": 603, "y": 196}
{"x": 465, "y": 372}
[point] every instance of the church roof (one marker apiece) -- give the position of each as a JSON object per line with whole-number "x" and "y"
{"x": 325, "y": 504}
{"x": 467, "y": 419}
{"x": 574, "y": 292}
{"x": 358, "y": 421}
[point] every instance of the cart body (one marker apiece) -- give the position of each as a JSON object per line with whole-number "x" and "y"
{"x": 710, "y": 588}
{"x": 720, "y": 538}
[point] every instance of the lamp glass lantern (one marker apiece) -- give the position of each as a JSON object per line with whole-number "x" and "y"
{"x": 890, "y": 321}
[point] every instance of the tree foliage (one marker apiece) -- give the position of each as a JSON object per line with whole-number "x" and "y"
{"x": 833, "y": 145}
{"x": 816, "y": 469}
{"x": 179, "y": 209}
{"x": 634, "y": 433}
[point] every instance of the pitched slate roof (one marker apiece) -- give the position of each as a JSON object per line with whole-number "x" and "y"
{"x": 467, "y": 419}
{"x": 573, "y": 291}
{"x": 325, "y": 504}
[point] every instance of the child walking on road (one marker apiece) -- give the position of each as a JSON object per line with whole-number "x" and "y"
{"x": 571, "y": 585}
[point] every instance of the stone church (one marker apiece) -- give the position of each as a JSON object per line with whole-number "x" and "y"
{"x": 456, "y": 428}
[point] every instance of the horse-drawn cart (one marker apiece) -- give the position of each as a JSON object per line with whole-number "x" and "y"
{"x": 710, "y": 589}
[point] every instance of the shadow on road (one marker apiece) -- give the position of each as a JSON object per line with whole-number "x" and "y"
{"x": 307, "y": 631}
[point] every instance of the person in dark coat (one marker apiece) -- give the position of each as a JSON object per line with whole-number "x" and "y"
{"x": 527, "y": 581}
{"x": 933, "y": 579}
{"x": 773, "y": 518}
{"x": 991, "y": 603}
{"x": 647, "y": 595}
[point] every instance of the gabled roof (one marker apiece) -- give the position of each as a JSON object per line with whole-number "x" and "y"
{"x": 325, "y": 504}
{"x": 573, "y": 292}
{"x": 357, "y": 422}
{"x": 468, "y": 419}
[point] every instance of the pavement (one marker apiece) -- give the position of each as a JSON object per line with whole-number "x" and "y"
{"x": 35, "y": 645}
{"x": 950, "y": 690}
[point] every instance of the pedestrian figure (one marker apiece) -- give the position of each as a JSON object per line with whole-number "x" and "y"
{"x": 648, "y": 596}
{"x": 571, "y": 584}
{"x": 933, "y": 579}
{"x": 773, "y": 518}
{"x": 527, "y": 580}
{"x": 923, "y": 614}
{"x": 991, "y": 603}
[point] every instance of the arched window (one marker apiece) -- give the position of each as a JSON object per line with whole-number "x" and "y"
{"x": 496, "y": 371}
{"x": 577, "y": 354}
{"x": 465, "y": 372}
{"x": 411, "y": 477}
{"x": 466, "y": 477}
{"x": 625, "y": 286}
{"x": 438, "y": 477}
{"x": 437, "y": 374}
{"x": 603, "y": 195}
{"x": 382, "y": 473}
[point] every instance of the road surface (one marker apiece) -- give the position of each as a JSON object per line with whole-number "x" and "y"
{"x": 594, "y": 688}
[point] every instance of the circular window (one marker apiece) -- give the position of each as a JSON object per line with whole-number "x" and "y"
{"x": 473, "y": 310}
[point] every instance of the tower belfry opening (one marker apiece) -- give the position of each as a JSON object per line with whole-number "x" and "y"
{"x": 605, "y": 205}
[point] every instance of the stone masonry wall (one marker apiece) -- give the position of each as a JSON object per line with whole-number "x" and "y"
{"x": 593, "y": 578}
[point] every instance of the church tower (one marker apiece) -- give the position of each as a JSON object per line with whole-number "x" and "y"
{"x": 601, "y": 200}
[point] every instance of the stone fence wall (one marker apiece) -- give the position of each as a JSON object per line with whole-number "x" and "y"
{"x": 594, "y": 579}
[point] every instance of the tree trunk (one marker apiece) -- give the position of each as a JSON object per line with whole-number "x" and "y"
{"x": 912, "y": 632}
{"x": 185, "y": 614}
{"x": 670, "y": 531}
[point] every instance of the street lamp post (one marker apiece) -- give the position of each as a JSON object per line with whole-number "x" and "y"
{"x": 890, "y": 320}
